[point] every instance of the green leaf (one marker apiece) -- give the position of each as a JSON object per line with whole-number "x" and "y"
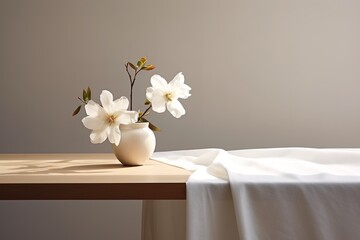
{"x": 84, "y": 94}
{"x": 151, "y": 126}
{"x": 147, "y": 102}
{"x": 132, "y": 66}
{"x": 77, "y": 110}
{"x": 154, "y": 128}
{"x": 149, "y": 67}
{"x": 89, "y": 93}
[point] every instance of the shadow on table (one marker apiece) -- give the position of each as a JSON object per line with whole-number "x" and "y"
{"x": 53, "y": 169}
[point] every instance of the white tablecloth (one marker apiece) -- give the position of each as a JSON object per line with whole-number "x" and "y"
{"x": 264, "y": 194}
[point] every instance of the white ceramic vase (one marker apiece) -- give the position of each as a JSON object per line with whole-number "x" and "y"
{"x": 137, "y": 144}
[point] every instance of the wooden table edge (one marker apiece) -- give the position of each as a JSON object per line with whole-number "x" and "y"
{"x": 93, "y": 191}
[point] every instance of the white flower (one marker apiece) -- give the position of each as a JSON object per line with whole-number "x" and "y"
{"x": 163, "y": 95}
{"x": 104, "y": 121}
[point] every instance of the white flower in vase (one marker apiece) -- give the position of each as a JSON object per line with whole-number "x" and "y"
{"x": 137, "y": 142}
{"x": 104, "y": 120}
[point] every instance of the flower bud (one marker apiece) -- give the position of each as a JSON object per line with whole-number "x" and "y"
{"x": 141, "y": 62}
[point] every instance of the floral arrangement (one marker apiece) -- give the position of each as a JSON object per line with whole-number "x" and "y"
{"x": 104, "y": 119}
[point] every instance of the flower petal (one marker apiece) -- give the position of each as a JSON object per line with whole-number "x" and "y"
{"x": 158, "y": 103}
{"x": 92, "y": 108}
{"x": 175, "y": 108}
{"x": 126, "y": 117}
{"x": 158, "y": 82}
{"x": 114, "y": 134}
{"x": 149, "y": 93}
{"x": 93, "y": 123}
{"x": 106, "y": 99}
{"x": 121, "y": 104}
{"x": 178, "y": 79}
{"x": 182, "y": 91}
{"x": 98, "y": 136}
{"x": 178, "y": 88}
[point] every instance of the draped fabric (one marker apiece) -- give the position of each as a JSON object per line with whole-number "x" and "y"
{"x": 266, "y": 194}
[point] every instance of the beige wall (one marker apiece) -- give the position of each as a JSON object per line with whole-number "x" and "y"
{"x": 263, "y": 73}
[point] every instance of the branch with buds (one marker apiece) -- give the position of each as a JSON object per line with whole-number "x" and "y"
{"x": 138, "y": 68}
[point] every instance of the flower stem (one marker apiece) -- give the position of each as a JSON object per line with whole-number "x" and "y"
{"x": 143, "y": 114}
{"x": 82, "y": 101}
{"x": 131, "y": 95}
{"x": 132, "y": 83}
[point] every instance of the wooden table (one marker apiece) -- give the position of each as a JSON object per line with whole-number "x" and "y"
{"x": 86, "y": 177}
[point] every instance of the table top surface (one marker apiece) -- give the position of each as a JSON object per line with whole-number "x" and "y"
{"x": 87, "y": 176}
